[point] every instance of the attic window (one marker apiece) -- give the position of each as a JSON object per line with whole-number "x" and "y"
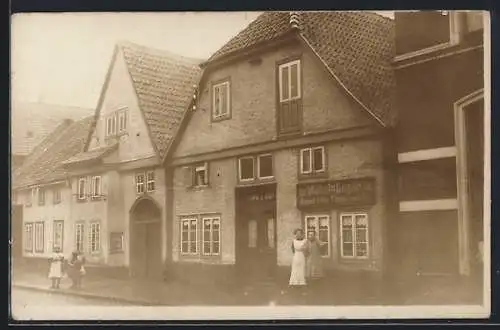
{"x": 117, "y": 122}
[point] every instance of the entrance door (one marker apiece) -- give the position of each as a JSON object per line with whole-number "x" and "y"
{"x": 474, "y": 131}
{"x": 145, "y": 242}
{"x": 256, "y": 233}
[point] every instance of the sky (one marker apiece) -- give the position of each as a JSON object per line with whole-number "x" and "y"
{"x": 62, "y": 58}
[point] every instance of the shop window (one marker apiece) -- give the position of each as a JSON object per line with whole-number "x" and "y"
{"x": 95, "y": 237}
{"x": 211, "y": 236}
{"x": 28, "y": 237}
{"x": 58, "y": 232}
{"x": 354, "y": 235}
{"x": 320, "y": 226}
{"x": 79, "y": 238}
{"x": 189, "y": 236}
{"x": 312, "y": 160}
{"x": 221, "y": 107}
{"x": 39, "y": 237}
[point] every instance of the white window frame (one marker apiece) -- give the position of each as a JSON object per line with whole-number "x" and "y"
{"x": 38, "y": 232}
{"x": 98, "y": 193}
{"x": 82, "y": 182}
{"x": 454, "y": 39}
{"x": 211, "y": 241}
{"x": 353, "y": 216}
{"x": 56, "y": 196}
{"x": 258, "y": 166}
{"x": 315, "y": 218}
{"x": 122, "y": 114}
{"x": 189, "y": 241}
{"x": 299, "y": 78}
{"x": 29, "y": 234}
{"x": 57, "y": 227}
{"x": 311, "y": 160}
{"x": 239, "y": 169}
{"x": 220, "y": 115}
{"x": 80, "y": 236}
{"x": 94, "y": 239}
{"x": 41, "y": 192}
{"x": 139, "y": 184}
{"x": 200, "y": 168}
{"x": 148, "y": 181}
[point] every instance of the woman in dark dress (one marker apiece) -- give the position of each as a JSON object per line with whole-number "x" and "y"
{"x": 76, "y": 269}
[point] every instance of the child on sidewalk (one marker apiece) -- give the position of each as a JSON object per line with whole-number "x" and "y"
{"x": 56, "y": 268}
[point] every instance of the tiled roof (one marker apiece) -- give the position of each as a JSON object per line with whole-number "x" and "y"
{"x": 164, "y": 83}
{"x": 92, "y": 154}
{"x": 357, "y": 47}
{"x": 44, "y": 165}
{"x": 32, "y": 122}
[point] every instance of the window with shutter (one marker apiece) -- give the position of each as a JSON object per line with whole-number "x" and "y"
{"x": 290, "y": 97}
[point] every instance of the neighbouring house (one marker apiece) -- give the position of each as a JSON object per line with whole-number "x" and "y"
{"x": 119, "y": 195}
{"x": 291, "y": 129}
{"x": 40, "y": 219}
{"x": 31, "y": 122}
{"x": 440, "y": 142}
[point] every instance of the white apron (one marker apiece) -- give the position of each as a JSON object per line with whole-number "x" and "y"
{"x": 56, "y": 265}
{"x": 298, "y": 274}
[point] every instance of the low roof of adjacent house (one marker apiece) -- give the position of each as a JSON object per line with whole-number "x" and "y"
{"x": 31, "y": 122}
{"x": 356, "y": 47}
{"x": 164, "y": 83}
{"x": 45, "y": 163}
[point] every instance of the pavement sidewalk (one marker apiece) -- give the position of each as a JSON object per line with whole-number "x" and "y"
{"x": 338, "y": 290}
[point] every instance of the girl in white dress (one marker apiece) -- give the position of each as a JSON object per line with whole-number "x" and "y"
{"x": 56, "y": 268}
{"x": 299, "y": 249}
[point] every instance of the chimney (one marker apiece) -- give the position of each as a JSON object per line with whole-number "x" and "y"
{"x": 295, "y": 20}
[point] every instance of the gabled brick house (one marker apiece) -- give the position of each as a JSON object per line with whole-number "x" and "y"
{"x": 118, "y": 181}
{"x": 289, "y": 130}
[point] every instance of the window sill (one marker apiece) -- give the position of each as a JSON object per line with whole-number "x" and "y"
{"x": 195, "y": 188}
{"x": 313, "y": 175}
{"x": 220, "y": 118}
{"x": 79, "y": 200}
{"x": 97, "y": 199}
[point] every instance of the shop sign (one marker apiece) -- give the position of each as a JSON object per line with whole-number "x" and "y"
{"x": 336, "y": 193}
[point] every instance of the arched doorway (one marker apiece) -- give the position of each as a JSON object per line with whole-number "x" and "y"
{"x": 145, "y": 239}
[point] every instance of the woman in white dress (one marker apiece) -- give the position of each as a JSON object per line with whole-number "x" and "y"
{"x": 56, "y": 268}
{"x": 299, "y": 249}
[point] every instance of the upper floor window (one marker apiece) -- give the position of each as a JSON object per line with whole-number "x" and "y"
{"x": 221, "y": 101}
{"x": 289, "y": 81}
{"x": 289, "y": 97}
{"x": 56, "y": 196}
{"x": 255, "y": 167}
{"x": 150, "y": 181}
{"x": 354, "y": 235}
{"x": 139, "y": 183}
{"x": 116, "y": 122}
{"x": 41, "y": 196}
{"x": 29, "y": 197}
{"x": 312, "y": 160}
{"x": 82, "y": 182}
{"x": 96, "y": 187}
{"x": 145, "y": 181}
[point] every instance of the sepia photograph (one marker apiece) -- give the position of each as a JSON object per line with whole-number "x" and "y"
{"x": 250, "y": 165}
